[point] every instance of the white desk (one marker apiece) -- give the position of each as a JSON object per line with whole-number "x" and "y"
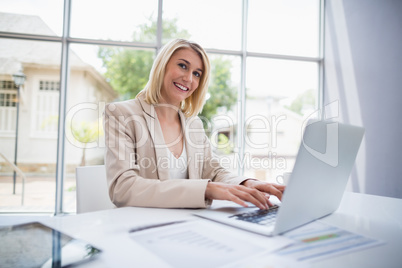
{"x": 374, "y": 216}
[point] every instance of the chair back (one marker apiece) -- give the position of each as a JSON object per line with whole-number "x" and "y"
{"x": 92, "y": 190}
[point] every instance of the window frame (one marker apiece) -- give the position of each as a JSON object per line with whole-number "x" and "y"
{"x": 65, "y": 40}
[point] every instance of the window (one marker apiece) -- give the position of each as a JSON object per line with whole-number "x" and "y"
{"x": 120, "y": 20}
{"x": 204, "y": 21}
{"x": 286, "y": 27}
{"x": 280, "y": 95}
{"x": 265, "y": 59}
{"x": 46, "y": 108}
{"x": 36, "y": 138}
{"x": 8, "y": 103}
{"x": 8, "y": 95}
{"x": 49, "y": 85}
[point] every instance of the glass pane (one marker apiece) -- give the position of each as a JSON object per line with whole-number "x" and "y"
{"x": 121, "y": 20}
{"x": 37, "y": 127}
{"x": 280, "y": 96}
{"x": 220, "y": 111}
{"x": 33, "y": 17}
{"x": 288, "y": 27}
{"x": 98, "y": 75}
{"x": 213, "y": 24}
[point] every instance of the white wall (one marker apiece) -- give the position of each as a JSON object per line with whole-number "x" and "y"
{"x": 363, "y": 72}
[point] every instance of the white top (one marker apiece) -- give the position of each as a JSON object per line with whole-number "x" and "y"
{"x": 178, "y": 166}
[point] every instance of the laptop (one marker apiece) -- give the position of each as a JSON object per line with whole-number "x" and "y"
{"x": 315, "y": 189}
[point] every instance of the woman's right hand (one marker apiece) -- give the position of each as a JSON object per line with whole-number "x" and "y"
{"x": 237, "y": 193}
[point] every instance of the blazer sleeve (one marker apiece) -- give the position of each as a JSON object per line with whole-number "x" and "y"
{"x": 132, "y": 185}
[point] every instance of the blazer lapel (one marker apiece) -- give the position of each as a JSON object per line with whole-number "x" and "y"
{"x": 194, "y": 172}
{"x": 156, "y": 134}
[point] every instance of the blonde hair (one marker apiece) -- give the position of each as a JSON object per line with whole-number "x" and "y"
{"x": 193, "y": 104}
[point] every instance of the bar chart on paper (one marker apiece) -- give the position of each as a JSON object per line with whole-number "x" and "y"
{"x": 317, "y": 241}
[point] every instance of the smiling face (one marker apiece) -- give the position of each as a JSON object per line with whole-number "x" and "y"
{"x": 182, "y": 76}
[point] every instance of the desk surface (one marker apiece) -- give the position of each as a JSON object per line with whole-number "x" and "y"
{"x": 374, "y": 216}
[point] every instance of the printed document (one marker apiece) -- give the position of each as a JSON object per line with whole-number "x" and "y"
{"x": 201, "y": 243}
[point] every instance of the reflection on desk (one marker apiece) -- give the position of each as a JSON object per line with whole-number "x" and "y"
{"x": 36, "y": 245}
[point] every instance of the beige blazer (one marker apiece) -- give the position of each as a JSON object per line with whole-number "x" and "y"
{"x": 136, "y": 159}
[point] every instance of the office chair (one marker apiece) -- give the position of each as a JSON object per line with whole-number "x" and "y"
{"x": 92, "y": 190}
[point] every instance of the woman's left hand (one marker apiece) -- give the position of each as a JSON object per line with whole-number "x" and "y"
{"x": 269, "y": 188}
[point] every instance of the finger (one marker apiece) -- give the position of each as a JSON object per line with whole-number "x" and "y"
{"x": 276, "y": 192}
{"x": 262, "y": 197}
{"x": 237, "y": 200}
{"x": 272, "y": 189}
{"x": 280, "y": 187}
{"x": 253, "y": 196}
{"x": 267, "y": 196}
{"x": 270, "y": 203}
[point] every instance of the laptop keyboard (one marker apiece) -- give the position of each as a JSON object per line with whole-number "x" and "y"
{"x": 261, "y": 216}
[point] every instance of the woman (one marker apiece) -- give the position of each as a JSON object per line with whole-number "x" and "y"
{"x": 157, "y": 152}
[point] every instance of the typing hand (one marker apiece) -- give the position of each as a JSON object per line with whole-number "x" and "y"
{"x": 265, "y": 187}
{"x": 237, "y": 193}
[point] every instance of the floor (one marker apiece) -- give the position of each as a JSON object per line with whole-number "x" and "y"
{"x": 39, "y": 195}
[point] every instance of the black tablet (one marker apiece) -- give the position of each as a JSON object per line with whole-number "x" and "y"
{"x": 36, "y": 245}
